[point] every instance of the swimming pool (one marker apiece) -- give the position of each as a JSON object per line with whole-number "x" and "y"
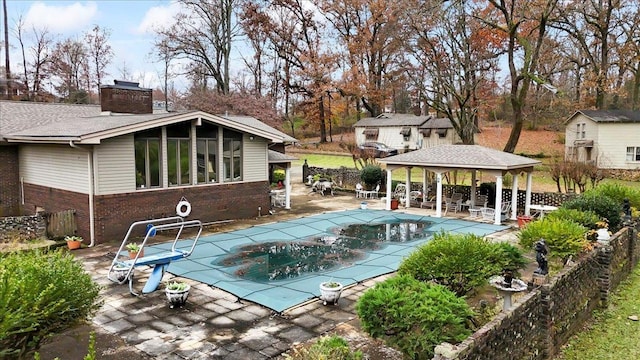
{"x": 267, "y": 264}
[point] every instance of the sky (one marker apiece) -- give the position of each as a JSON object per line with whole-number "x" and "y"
{"x": 131, "y": 23}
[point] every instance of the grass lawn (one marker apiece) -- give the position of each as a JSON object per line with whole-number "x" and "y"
{"x": 613, "y": 336}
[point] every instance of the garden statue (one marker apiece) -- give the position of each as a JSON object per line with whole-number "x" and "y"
{"x": 626, "y": 209}
{"x": 541, "y": 258}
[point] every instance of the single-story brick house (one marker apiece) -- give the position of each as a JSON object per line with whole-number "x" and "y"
{"x": 610, "y": 139}
{"x": 120, "y": 162}
{"x": 406, "y": 132}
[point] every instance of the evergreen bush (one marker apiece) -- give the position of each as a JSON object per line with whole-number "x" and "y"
{"x": 604, "y": 206}
{"x": 588, "y": 218}
{"x": 461, "y": 262}
{"x": 564, "y": 238}
{"x": 413, "y": 316}
{"x": 371, "y": 175}
{"x": 41, "y": 294}
{"x": 618, "y": 193}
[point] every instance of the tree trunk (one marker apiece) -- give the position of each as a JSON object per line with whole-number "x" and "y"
{"x": 323, "y": 130}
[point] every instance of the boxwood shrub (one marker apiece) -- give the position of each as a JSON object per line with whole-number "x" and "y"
{"x": 588, "y": 218}
{"x": 41, "y": 294}
{"x": 461, "y": 262}
{"x": 563, "y": 237}
{"x": 604, "y": 206}
{"x": 413, "y": 316}
{"x": 371, "y": 175}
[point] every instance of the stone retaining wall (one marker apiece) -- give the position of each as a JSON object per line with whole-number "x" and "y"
{"x": 542, "y": 321}
{"x": 15, "y": 228}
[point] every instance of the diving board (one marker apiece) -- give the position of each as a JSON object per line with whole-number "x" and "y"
{"x": 122, "y": 267}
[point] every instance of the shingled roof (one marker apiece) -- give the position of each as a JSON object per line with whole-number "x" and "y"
{"x": 609, "y": 116}
{"x": 461, "y": 157}
{"x": 388, "y": 119}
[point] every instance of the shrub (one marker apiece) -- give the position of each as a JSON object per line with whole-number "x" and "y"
{"x": 413, "y": 316}
{"x": 604, "y": 206}
{"x": 563, "y": 237}
{"x": 461, "y": 262}
{"x": 618, "y": 193}
{"x": 334, "y": 348}
{"x": 371, "y": 174}
{"x": 41, "y": 294}
{"x": 588, "y": 218}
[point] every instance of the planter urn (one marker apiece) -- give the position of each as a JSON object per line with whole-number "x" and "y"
{"x": 177, "y": 297}
{"x": 330, "y": 292}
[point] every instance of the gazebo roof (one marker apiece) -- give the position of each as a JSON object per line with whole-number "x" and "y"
{"x": 462, "y": 157}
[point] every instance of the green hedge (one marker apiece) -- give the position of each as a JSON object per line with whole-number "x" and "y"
{"x": 461, "y": 262}
{"x": 604, "y": 206}
{"x": 413, "y": 316}
{"x": 563, "y": 237}
{"x": 41, "y": 294}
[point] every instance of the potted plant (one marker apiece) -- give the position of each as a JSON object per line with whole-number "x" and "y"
{"x": 73, "y": 241}
{"x": 330, "y": 292}
{"x": 177, "y": 293}
{"x": 120, "y": 272}
{"x": 134, "y": 249}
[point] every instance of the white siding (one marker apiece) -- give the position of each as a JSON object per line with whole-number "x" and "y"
{"x": 613, "y": 140}
{"x": 573, "y": 137}
{"x": 114, "y": 163}
{"x": 390, "y": 135}
{"x": 434, "y": 139}
{"x": 255, "y": 160}
{"x": 56, "y": 166}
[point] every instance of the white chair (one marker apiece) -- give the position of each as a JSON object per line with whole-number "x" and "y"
{"x": 505, "y": 208}
{"x": 453, "y": 203}
{"x": 373, "y": 194}
{"x": 359, "y": 190}
{"x": 488, "y": 214}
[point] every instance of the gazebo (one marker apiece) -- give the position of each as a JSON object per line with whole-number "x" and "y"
{"x": 444, "y": 158}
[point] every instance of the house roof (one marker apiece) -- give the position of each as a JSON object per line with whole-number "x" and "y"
{"x": 389, "y": 120}
{"x": 609, "y": 116}
{"x": 280, "y": 158}
{"x": 461, "y": 157}
{"x": 86, "y": 124}
{"x": 437, "y": 123}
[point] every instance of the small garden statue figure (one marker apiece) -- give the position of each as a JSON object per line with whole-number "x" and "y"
{"x": 626, "y": 209}
{"x": 541, "y": 258}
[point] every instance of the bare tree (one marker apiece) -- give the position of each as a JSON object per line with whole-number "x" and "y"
{"x": 165, "y": 55}
{"x": 203, "y": 33}
{"x": 524, "y": 25}
{"x": 68, "y": 62}
{"x": 35, "y": 70}
{"x": 99, "y": 53}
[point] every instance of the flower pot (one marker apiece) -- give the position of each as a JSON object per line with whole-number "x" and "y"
{"x": 72, "y": 245}
{"x": 363, "y": 205}
{"x": 394, "y": 204}
{"x": 133, "y": 254}
{"x": 523, "y": 220}
{"x": 330, "y": 294}
{"x": 177, "y": 297}
{"x": 120, "y": 272}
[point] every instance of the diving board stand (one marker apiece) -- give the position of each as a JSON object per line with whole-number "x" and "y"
{"x": 122, "y": 267}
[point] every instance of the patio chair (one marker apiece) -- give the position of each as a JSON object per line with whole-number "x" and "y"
{"x": 372, "y": 194}
{"x": 453, "y": 203}
{"x": 488, "y": 214}
{"x": 504, "y": 210}
{"x": 400, "y": 191}
{"x": 359, "y": 190}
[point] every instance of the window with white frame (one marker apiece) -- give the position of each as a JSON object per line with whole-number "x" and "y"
{"x": 207, "y": 151}
{"x": 581, "y": 131}
{"x": 633, "y": 153}
{"x": 179, "y": 154}
{"x": 232, "y": 155}
{"x": 147, "y": 157}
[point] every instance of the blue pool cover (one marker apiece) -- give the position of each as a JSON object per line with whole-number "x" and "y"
{"x": 207, "y": 262}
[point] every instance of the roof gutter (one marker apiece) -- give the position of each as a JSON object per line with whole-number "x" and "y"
{"x": 91, "y": 191}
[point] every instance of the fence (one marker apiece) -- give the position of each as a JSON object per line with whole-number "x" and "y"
{"x": 60, "y": 224}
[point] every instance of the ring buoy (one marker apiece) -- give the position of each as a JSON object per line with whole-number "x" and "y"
{"x": 187, "y": 208}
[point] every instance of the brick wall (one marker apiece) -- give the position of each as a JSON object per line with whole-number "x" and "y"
{"x": 543, "y": 320}
{"x": 115, "y": 213}
{"x": 54, "y": 200}
{"x": 9, "y": 181}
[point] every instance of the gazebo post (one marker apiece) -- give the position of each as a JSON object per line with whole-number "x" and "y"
{"x": 438, "y": 194}
{"x": 514, "y": 197}
{"x": 527, "y": 198}
{"x": 388, "y": 201}
{"x": 407, "y": 199}
{"x": 424, "y": 184}
{"x": 287, "y": 186}
{"x": 472, "y": 195}
{"x": 498, "y": 215}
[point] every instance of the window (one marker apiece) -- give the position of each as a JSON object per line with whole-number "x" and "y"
{"x": 581, "y": 131}
{"x": 633, "y": 153}
{"x": 405, "y": 132}
{"x": 147, "y": 157}
{"x": 232, "y": 155}
{"x": 442, "y": 133}
{"x": 207, "y": 150}
{"x": 425, "y": 132}
{"x": 179, "y": 154}
{"x": 370, "y": 134}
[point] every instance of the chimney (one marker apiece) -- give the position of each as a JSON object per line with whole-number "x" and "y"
{"x": 126, "y": 97}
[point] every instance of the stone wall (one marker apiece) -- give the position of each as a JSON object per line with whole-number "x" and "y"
{"x": 543, "y": 320}
{"x": 16, "y": 228}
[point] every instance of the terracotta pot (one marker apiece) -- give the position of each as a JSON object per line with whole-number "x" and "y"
{"x": 72, "y": 245}
{"x": 394, "y": 204}
{"x": 133, "y": 254}
{"x": 523, "y": 220}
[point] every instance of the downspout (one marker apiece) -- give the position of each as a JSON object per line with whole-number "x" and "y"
{"x": 91, "y": 191}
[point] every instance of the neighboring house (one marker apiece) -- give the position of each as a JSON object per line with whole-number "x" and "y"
{"x": 17, "y": 89}
{"x": 119, "y": 162}
{"x": 610, "y": 139}
{"x": 438, "y": 131}
{"x": 398, "y": 131}
{"x": 406, "y": 131}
